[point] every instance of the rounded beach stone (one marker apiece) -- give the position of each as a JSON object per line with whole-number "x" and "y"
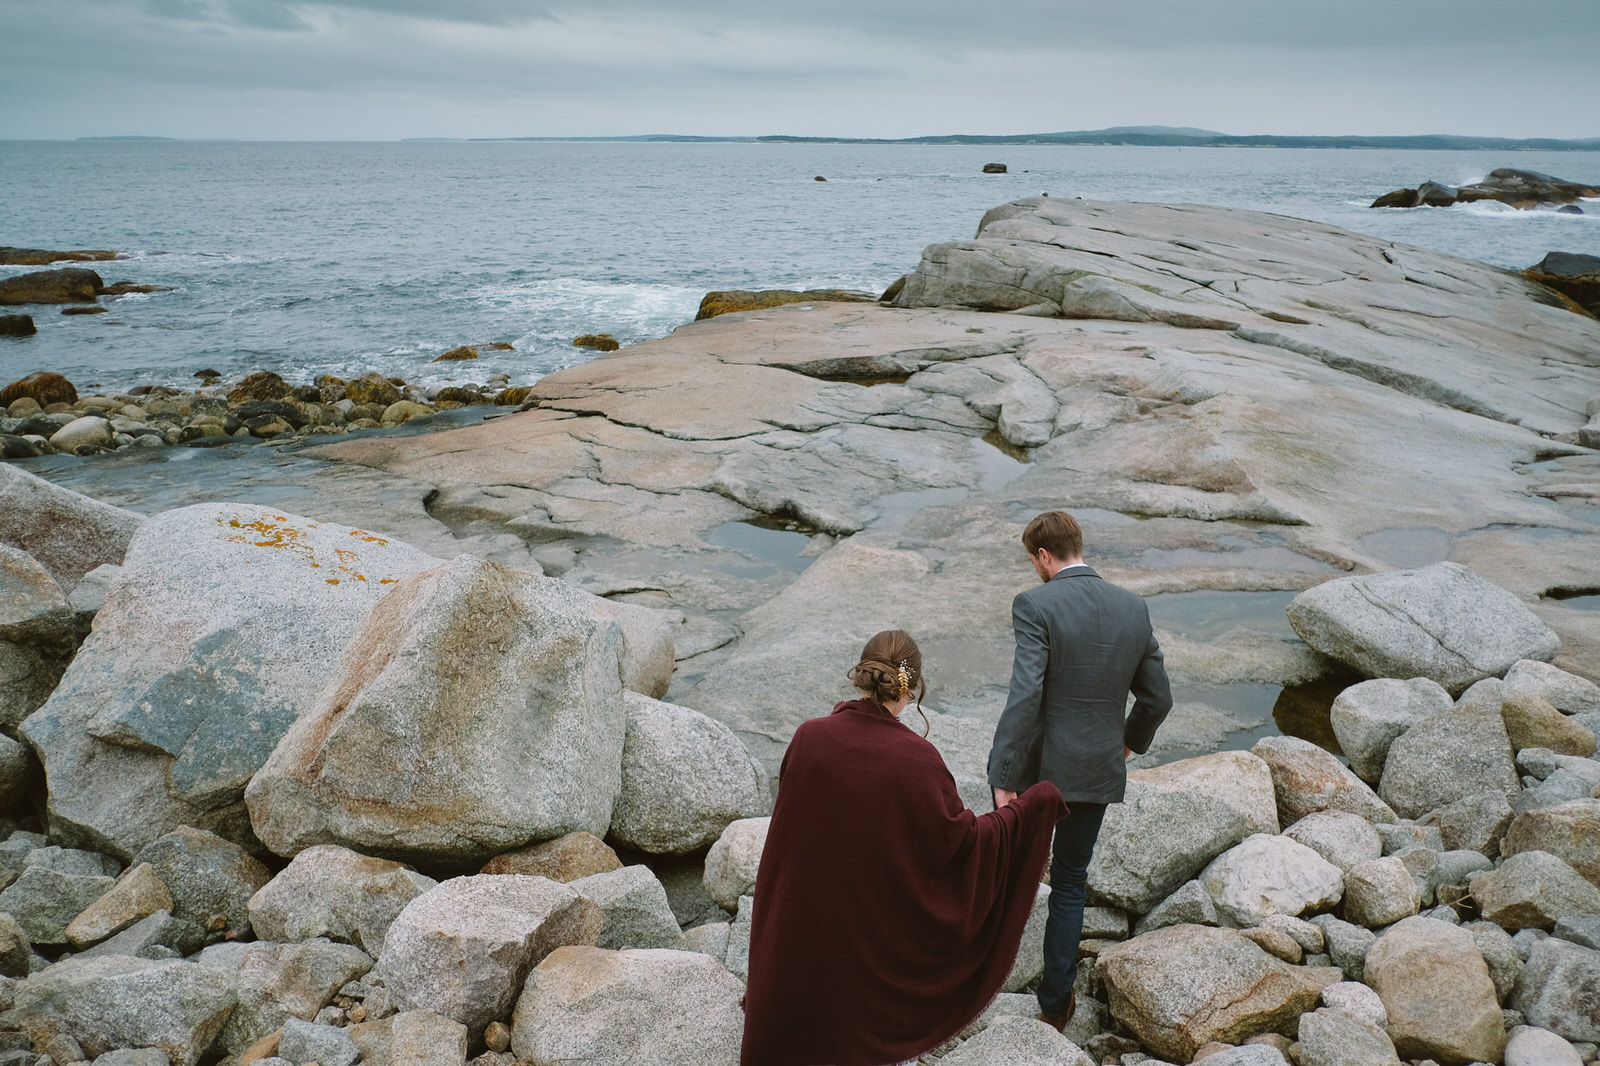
{"x": 330, "y": 891}
{"x": 1533, "y": 890}
{"x": 1268, "y": 875}
{"x": 1356, "y": 999}
{"x": 618, "y": 1008}
{"x": 1459, "y": 752}
{"x": 733, "y": 860}
{"x": 1437, "y": 992}
{"x": 1181, "y": 987}
{"x": 463, "y": 948}
{"x": 1380, "y": 893}
{"x": 1570, "y": 831}
{"x": 1308, "y": 779}
{"x": 685, "y": 777}
{"x": 1344, "y": 839}
{"x": 563, "y": 859}
{"x": 1368, "y": 717}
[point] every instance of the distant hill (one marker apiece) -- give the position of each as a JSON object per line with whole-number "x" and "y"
{"x": 127, "y": 137}
{"x": 1157, "y": 136}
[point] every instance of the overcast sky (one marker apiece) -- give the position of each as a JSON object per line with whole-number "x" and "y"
{"x": 385, "y": 69}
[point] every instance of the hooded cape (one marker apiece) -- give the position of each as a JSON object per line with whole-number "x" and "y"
{"x": 887, "y": 915}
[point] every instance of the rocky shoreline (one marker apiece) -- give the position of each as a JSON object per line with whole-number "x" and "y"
{"x": 513, "y": 813}
{"x": 44, "y": 414}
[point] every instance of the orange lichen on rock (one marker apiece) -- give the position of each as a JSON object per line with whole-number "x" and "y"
{"x": 276, "y": 531}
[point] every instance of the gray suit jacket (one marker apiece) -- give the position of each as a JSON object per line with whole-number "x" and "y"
{"x": 1083, "y": 644}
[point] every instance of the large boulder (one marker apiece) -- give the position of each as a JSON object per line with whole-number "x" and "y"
{"x": 1451, "y": 755}
{"x": 1436, "y": 989}
{"x": 732, "y": 862}
{"x": 119, "y": 1002}
{"x": 464, "y": 948}
{"x": 329, "y": 891}
{"x": 618, "y": 1008}
{"x": 1308, "y": 779}
{"x": 684, "y": 778}
{"x": 1184, "y": 986}
{"x": 648, "y": 655}
{"x": 69, "y": 533}
{"x": 1266, "y": 875}
{"x": 1239, "y": 778}
{"x": 476, "y": 709}
{"x": 180, "y": 693}
{"x": 1559, "y": 989}
{"x": 1442, "y": 622}
{"x": 1576, "y": 276}
{"x": 1533, "y": 890}
{"x": 1157, "y": 839}
{"x": 1570, "y": 831}
{"x": 1368, "y": 717}
{"x": 211, "y": 879}
{"x": 68, "y": 285}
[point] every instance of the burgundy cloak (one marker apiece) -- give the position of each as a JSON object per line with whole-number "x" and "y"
{"x": 887, "y": 915}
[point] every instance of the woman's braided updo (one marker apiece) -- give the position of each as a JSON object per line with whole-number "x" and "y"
{"x": 891, "y": 668}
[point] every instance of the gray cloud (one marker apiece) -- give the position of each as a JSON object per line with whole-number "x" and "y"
{"x": 390, "y": 68}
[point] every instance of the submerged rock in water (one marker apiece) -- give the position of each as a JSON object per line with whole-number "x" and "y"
{"x": 1519, "y": 188}
{"x": 69, "y": 285}
{"x": 733, "y": 300}
{"x": 42, "y": 386}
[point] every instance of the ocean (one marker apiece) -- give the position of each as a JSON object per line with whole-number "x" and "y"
{"x": 344, "y": 258}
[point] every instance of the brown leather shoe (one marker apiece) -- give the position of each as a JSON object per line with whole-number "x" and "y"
{"x": 1059, "y": 1022}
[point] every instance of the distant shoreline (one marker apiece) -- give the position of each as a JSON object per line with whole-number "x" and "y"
{"x": 1119, "y": 137}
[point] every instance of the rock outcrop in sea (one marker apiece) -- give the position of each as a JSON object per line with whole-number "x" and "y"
{"x": 281, "y": 788}
{"x": 1523, "y": 189}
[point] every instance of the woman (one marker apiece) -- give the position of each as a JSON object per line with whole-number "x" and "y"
{"x": 887, "y": 915}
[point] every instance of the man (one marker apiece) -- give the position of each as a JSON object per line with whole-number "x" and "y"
{"x": 1083, "y": 645}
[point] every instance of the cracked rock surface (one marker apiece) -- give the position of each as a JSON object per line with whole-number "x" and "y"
{"x": 1285, "y": 403}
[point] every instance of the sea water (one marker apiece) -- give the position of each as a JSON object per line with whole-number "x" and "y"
{"x": 344, "y": 258}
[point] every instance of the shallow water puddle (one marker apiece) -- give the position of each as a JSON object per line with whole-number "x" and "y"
{"x": 1579, "y": 599}
{"x": 1207, "y": 613}
{"x": 1409, "y": 547}
{"x": 1235, "y": 551}
{"x": 999, "y": 461}
{"x": 776, "y": 544}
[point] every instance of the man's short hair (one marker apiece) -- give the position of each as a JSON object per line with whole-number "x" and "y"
{"x": 1056, "y": 532}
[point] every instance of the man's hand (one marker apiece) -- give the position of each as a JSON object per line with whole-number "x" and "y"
{"x": 1127, "y": 753}
{"x": 1003, "y": 797}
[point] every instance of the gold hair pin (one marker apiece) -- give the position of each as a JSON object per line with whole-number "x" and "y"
{"x": 905, "y": 680}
